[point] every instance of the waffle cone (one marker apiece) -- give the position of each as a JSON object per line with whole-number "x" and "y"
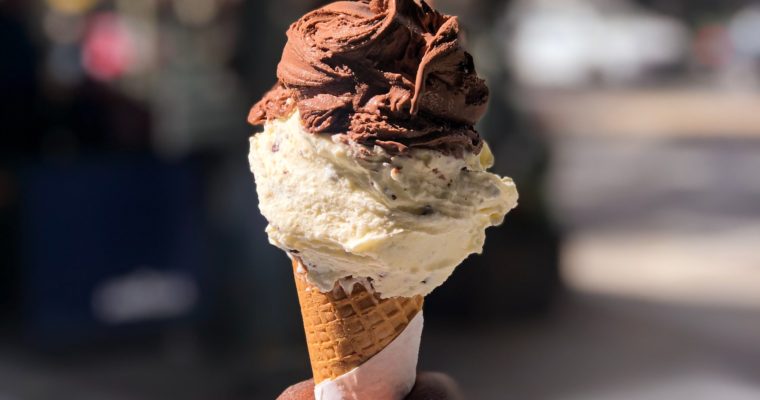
{"x": 345, "y": 330}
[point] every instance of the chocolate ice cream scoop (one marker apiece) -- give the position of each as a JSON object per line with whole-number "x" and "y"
{"x": 390, "y": 73}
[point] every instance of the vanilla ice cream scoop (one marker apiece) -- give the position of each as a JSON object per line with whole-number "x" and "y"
{"x": 403, "y": 221}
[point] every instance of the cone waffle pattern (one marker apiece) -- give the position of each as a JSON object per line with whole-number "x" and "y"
{"x": 343, "y": 331}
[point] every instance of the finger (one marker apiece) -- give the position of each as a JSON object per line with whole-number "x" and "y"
{"x": 300, "y": 391}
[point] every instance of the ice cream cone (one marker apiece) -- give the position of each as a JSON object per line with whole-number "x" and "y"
{"x": 344, "y": 330}
{"x": 372, "y": 169}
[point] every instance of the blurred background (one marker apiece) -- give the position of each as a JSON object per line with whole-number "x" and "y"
{"x": 134, "y": 263}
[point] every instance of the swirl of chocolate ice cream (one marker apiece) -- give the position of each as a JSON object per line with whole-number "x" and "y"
{"x": 390, "y": 73}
